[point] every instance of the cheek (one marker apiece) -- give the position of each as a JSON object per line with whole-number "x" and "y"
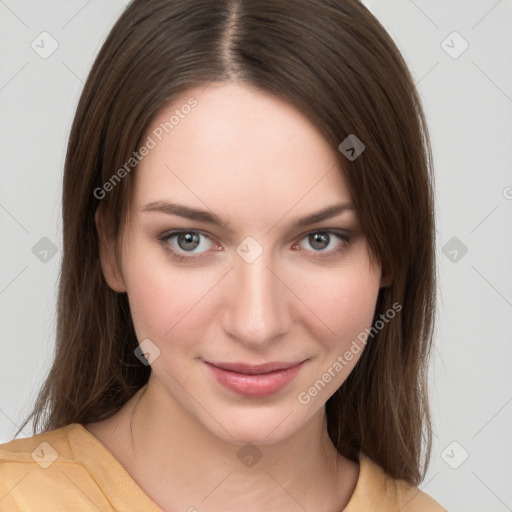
{"x": 165, "y": 302}
{"x": 343, "y": 302}
{"x": 150, "y": 305}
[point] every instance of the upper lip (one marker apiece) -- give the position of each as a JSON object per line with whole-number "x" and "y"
{"x": 253, "y": 369}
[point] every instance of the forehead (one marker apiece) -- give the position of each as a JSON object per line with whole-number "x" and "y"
{"x": 237, "y": 149}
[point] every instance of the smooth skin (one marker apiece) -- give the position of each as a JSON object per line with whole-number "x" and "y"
{"x": 259, "y": 165}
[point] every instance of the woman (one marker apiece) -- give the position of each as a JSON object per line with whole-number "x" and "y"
{"x": 246, "y": 299}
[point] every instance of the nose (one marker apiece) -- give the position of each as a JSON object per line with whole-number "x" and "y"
{"x": 257, "y": 314}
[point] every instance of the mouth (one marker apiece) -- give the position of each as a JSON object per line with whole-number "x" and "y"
{"x": 254, "y": 380}
{"x": 254, "y": 369}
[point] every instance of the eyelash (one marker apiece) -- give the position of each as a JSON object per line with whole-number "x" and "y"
{"x": 165, "y": 237}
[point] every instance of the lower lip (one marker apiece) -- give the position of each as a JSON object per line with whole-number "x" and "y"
{"x": 263, "y": 384}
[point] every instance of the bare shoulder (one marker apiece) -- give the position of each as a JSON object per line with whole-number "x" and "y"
{"x": 412, "y": 499}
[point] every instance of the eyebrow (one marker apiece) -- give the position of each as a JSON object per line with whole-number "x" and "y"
{"x": 211, "y": 218}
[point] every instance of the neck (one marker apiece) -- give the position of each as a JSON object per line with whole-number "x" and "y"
{"x": 182, "y": 465}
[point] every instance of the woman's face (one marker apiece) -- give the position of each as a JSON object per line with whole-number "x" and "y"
{"x": 263, "y": 284}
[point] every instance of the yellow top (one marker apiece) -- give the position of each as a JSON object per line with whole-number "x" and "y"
{"x": 70, "y": 470}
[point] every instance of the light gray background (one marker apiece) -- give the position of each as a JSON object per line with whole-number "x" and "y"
{"x": 468, "y": 102}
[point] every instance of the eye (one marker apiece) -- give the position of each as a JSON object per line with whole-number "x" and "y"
{"x": 324, "y": 243}
{"x": 186, "y": 245}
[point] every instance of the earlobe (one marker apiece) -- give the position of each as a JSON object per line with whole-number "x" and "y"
{"x": 108, "y": 259}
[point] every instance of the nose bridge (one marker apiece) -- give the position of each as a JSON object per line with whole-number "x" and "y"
{"x": 257, "y": 303}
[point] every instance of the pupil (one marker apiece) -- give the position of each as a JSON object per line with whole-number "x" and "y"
{"x": 319, "y": 240}
{"x": 191, "y": 241}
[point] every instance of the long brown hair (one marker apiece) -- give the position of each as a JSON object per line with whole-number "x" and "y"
{"x": 333, "y": 61}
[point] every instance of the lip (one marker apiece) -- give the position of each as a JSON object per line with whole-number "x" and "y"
{"x": 255, "y": 380}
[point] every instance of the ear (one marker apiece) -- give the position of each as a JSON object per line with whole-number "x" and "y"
{"x": 109, "y": 264}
